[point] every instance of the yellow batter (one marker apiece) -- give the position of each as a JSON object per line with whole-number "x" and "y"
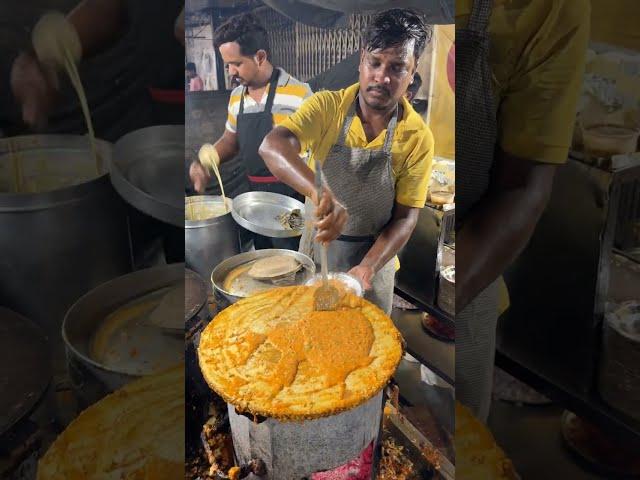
{"x": 196, "y": 211}
{"x": 136, "y": 432}
{"x": 209, "y": 156}
{"x": 56, "y": 43}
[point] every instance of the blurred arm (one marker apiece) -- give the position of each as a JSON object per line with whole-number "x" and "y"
{"x": 500, "y": 227}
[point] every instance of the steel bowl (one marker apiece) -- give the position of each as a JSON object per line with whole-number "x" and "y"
{"x": 349, "y": 281}
{"x": 223, "y": 269}
{"x": 258, "y": 212}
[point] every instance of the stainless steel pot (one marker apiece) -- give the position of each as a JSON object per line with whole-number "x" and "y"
{"x": 220, "y": 273}
{"x": 209, "y": 242}
{"x": 57, "y": 245}
{"x": 92, "y": 378}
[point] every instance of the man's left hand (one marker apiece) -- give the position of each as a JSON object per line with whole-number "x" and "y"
{"x": 364, "y": 274}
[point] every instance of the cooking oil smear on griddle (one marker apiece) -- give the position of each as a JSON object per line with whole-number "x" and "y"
{"x": 127, "y": 342}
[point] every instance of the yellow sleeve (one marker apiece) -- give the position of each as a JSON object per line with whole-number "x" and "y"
{"x": 232, "y": 121}
{"x": 310, "y": 121}
{"x": 412, "y": 181}
{"x": 537, "y": 111}
{"x": 615, "y": 22}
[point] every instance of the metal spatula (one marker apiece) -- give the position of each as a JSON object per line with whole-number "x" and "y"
{"x": 326, "y": 297}
{"x": 168, "y": 315}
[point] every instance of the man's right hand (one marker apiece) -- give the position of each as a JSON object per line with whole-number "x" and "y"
{"x": 333, "y": 217}
{"x": 199, "y": 176}
{"x": 35, "y": 87}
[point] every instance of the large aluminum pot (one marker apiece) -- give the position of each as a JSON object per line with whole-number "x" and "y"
{"x": 90, "y": 316}
{"x": 208, "y": 242}
{"x": 57, "y": 245}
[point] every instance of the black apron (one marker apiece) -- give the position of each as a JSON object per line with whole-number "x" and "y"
{"x": 475, "y": 150}
{"x": 251, "y": 130}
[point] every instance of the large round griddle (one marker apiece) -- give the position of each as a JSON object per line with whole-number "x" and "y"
{"x": 25, "y": 367}
{"x": 146, "y": 164}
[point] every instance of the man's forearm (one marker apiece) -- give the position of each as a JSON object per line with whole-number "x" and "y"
{"x": 98, "y": 23}
{"x": 391, "y": 240}
{"x": 280, "y": 151}
{"x": 491, "y": 239}
{"x": 226, "y": 147}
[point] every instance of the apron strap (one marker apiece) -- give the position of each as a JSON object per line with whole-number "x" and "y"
{"x": 347, "y": 123}
{"x": 480, "y": 14}
{"x": 391, "y": 130}
{"x": 357, "y": 238}
{"x": 273, "y": 86}
{"x": 270, "y": 96}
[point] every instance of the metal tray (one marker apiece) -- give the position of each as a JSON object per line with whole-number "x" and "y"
{"x": 258, "y": 212}
{"x": 145, "y": 166}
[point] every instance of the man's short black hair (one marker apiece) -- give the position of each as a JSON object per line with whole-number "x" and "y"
{"x": 395, "y": 27}
{"x": 246, "y": 31}
{"x": 190, "y": 67}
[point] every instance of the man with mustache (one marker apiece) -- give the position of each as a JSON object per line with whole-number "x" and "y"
{"x": 254, "y": 107}
{"x": 375, "y": 152}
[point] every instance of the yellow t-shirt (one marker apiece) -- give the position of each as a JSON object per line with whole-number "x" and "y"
{"x": 318, "y": 122}
{"x": 616, "y": 22}
{"x": 537, "y": 55}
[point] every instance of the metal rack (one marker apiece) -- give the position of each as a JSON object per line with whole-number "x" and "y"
{"x": 551, "y": 335}
{"x": 417, "y": 279}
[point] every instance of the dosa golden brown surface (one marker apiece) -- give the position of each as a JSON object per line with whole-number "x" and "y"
{"x": 135, "y": 433}
{"x": 478, "y": 457}
{"x": 272, "y": 355}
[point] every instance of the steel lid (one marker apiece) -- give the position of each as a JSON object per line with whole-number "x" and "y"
{"x": 145, "y": 166}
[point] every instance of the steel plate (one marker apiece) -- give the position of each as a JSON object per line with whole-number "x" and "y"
{"x": 25, "y": 367}
{"x": 258, "y": 212}
{"x": 145, "y": 166}
{"x": 349, "y": 281}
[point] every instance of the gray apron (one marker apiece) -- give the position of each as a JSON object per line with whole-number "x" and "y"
{"x": 475, "y": 149}
{"x": 362, "y": 180}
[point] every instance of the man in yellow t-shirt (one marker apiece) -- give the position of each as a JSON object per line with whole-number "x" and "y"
{"x": 534, "y": 68}
{"x": 375, "y": 152}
